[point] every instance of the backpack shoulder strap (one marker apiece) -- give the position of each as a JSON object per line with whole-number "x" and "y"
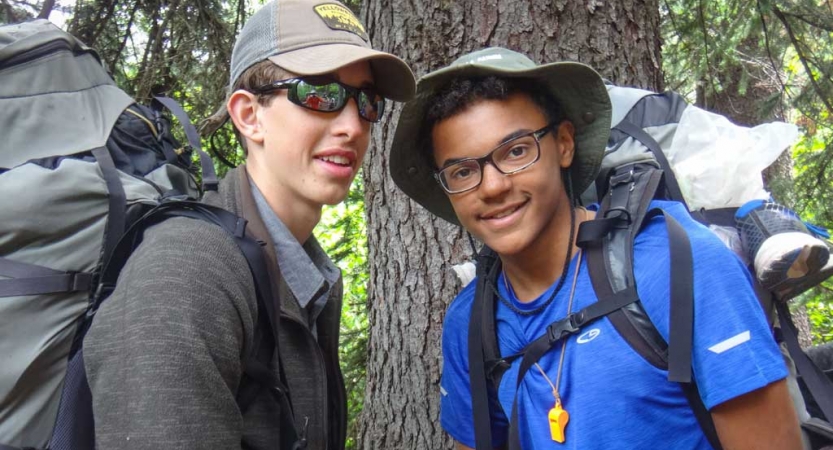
{"x": 482, "y": 346}
{"x": 819, "y": 385}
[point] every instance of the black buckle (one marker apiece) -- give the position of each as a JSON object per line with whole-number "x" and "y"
{"x": 565, "y": 327}
{"x": 240, "y": 227}
{"x": 497, "y": 365}
{"x": 621, "y": 213}
{"x": 104, "y": 290}
{"x": 622, "y": 178}
{"x": 278, "y": 392}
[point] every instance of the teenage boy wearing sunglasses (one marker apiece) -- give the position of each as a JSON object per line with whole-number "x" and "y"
{"x": 503, "y": 147}
{"x": 165, "y": 354}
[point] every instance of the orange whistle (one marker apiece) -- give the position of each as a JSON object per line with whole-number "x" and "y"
{"x": 558, "y": 422}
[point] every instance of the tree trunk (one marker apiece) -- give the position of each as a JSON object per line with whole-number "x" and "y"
{"x": 410, "y": 251}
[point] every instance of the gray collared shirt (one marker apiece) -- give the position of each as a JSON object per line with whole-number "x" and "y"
{"x": 308, "y": 271}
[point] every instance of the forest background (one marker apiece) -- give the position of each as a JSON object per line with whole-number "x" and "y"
{"x": 752, "y": 60}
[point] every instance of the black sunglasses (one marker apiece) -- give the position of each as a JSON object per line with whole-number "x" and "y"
{"x": 327, "y": 95}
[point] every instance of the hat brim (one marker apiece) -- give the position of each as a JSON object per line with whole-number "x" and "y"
{"x": 391, "y": 76}
{"x": 577, "y": 87}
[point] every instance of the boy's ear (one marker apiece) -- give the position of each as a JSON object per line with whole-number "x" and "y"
{"x": 242, "y": 108}
{"x": 565, "y": 138}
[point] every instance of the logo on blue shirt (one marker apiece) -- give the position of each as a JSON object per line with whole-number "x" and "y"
{"x": 588, "y": 336}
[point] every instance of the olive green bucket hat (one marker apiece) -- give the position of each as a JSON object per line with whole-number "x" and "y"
{"x": 578, "y": 88}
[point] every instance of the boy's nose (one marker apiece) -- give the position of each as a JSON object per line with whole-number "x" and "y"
{"x": 493, "y": 182}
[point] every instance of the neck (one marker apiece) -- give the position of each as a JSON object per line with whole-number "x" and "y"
{"x": 532, "y": 274}
{"x": 299, "y": 217}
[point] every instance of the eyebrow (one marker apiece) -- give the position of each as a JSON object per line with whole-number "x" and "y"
{"x": 513, "y": 135}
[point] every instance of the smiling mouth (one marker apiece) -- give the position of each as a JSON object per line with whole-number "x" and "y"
{"x": 504, "y": 213}
{"x": 336, "y": 159}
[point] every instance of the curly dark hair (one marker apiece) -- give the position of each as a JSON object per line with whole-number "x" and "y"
{"x": 461, "y": 93}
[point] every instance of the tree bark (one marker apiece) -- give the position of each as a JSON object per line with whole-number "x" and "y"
{"x": 410, "y": 251}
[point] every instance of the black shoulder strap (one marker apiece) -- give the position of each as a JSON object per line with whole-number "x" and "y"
{"x": 255, "y": 367}
{"x": 482, "y": 319}
{"x": 820, "y": 387}
{"x": 642, "y": 136}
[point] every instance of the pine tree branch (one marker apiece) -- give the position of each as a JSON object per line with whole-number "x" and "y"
{"x": 797, "y": 45}
{"x": 102, "y": 23}
{"x": 127, "y": 34}
{"x": 809, "y": 21}
{"x": 46, "y": 9}
{"x": 708, "y": 73}
{"x": 775, "y": 67}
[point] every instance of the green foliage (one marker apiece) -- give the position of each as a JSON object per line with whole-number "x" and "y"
{"x": 342, "y": 234}
{"x": 700, "y": 39}
{"x": 820, "y": 312}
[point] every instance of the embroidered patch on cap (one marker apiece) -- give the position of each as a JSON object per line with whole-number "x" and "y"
{"x": 339, "y": 17}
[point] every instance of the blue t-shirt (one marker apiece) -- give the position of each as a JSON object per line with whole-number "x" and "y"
{"x": 616, "y": 399}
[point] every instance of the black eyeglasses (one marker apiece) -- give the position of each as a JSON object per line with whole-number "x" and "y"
{"x": 326, "y": 95}
{"x": 509, "y": 157}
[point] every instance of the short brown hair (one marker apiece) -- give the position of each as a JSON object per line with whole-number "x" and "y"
{"x": 255, "y": 76}
{"x": 258, "y": 75}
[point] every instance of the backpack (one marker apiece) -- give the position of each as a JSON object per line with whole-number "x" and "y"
{"x": 84, "y": 170}
{"x": 634, "y": 171}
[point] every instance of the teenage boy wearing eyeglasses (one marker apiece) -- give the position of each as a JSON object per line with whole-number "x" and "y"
{"x": 503, "y": 148}
{"x": 165, "y": 353}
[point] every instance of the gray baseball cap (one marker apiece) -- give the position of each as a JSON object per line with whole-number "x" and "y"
{"x": 578, "y": 88}
{"x": 314, "y": 37}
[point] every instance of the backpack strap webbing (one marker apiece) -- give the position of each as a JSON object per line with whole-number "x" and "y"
{"x": 681, "y": 324}
{"x": 820, "y": 387}
{"x": 209, "y": 176}
{"x": 116, "y": 199}
{"x": 31, "y": 279}
{"x": 257, "y": 363}
{"x": 642, "y": 136}
{"x": 482, "y": 319}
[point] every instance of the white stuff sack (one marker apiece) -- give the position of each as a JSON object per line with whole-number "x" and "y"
{"x": 718, "y": 164}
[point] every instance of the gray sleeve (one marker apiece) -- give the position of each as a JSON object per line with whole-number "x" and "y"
{"x": 163, "y": 355}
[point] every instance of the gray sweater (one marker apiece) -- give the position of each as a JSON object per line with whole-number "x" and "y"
{"x": 165, "y": 353}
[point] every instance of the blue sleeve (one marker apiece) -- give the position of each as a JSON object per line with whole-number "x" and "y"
{"x": 733, "y": 352}
{"x": 455, "y": 401}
